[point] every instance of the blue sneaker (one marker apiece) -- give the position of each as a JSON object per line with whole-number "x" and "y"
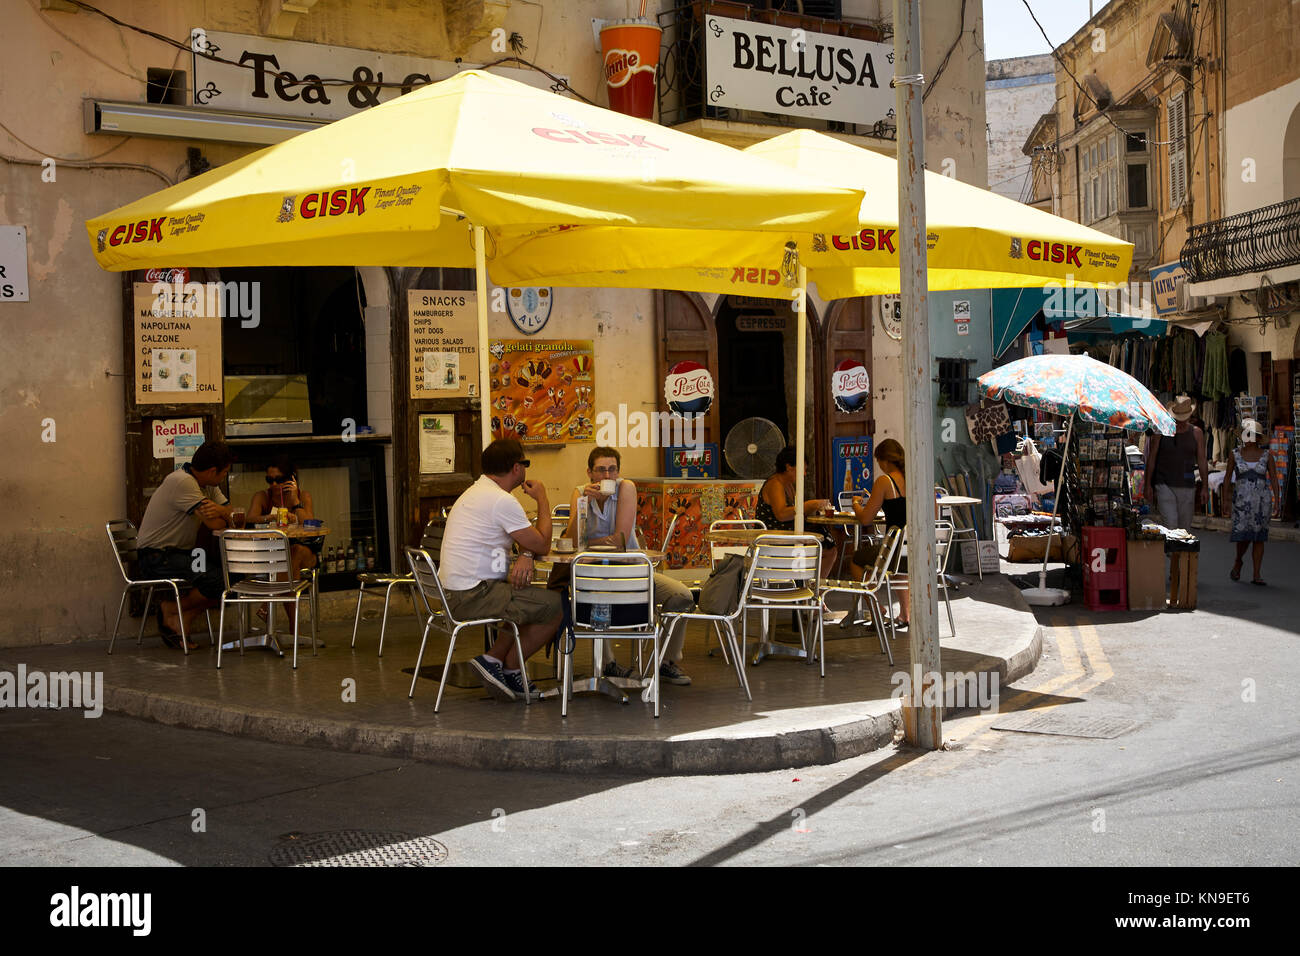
{"x": 494, "y": 677}
{"x": 515, "y": 682}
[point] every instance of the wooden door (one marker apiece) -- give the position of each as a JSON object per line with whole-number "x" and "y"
{"x": 847, "y": 335}
{"x": 685, "y": 331}
{"x": 419, "y": 497}
{"x": 144, "y": 472}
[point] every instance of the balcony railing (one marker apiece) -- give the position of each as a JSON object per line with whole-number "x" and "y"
{"x": 1255, "y": 241}
{"x": 682, "y": 74}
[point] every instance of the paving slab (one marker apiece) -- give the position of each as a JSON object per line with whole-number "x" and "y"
{"x": 351, "y": 700}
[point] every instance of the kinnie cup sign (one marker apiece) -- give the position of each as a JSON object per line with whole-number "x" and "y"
{"x": 688, "y": 389}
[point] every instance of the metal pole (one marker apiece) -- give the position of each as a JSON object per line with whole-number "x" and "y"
{"x": 481, "y": 285}
{"x": 800, "y": 385}
{"x": 922, "y": 720}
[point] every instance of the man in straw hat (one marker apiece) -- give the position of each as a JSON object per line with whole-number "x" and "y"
{"x": 1171, "y": 468}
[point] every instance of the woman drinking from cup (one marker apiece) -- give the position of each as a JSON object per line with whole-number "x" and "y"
{"x": 611, "y": 521}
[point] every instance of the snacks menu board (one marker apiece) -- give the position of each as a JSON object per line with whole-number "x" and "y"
{"x": 542, "y": 392}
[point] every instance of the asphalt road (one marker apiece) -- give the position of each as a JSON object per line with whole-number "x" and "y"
{"x": 1204, "y": 772}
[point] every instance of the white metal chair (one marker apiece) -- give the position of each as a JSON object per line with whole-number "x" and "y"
{"x": 897, "y": 580}
{"x": 622, "y": 580}
{"x": 122, "y": 536}
{"x": 431, "y": 541}
{"x": 262, "y": 557}
{"x": 438, "y": 615}
{"x": 972, "y": 532}
{"x": 736, "y": 524}
{"x": 559, "y": 522}
{"x": 717, "y": 551}
{"x": 874, "y": 581}
{"x": 786, "y": 568}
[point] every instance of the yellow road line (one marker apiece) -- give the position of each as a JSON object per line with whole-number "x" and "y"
{"x": 1074, "y": 678}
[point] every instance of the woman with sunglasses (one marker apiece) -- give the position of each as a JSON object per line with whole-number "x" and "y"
{"x": 282, "y": 491}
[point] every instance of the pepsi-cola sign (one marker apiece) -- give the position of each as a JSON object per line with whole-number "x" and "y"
{"x": 688, "y": 389}
{"x": 850, "y": 386}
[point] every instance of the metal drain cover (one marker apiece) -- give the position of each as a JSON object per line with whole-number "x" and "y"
{"x": 357, "y": 848}
{"x": 1065, "y": 725}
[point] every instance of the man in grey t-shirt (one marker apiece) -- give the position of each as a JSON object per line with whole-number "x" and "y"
{"x": 186, "y": 498}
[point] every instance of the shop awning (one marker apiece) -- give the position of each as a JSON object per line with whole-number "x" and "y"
{"x": 1015, "y": 309}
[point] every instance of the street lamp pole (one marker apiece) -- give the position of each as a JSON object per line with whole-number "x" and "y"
{"x": 922, "y": 722}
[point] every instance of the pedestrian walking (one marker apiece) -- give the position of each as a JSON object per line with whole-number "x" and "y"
{"x": 1250, "y": 487}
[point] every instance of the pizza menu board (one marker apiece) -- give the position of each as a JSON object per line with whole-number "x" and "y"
{"x": 444, "y": 343}
{"x": 542, "y": 391}
{"x": 177, "y": 343}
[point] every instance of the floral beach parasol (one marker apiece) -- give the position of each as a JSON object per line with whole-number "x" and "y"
{"x": 1066, "y": 384}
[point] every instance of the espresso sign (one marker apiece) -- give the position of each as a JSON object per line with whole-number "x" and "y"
{"x": 757, "y": 66}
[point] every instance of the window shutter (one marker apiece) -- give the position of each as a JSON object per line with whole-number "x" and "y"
{"x": 1177, "y": 150}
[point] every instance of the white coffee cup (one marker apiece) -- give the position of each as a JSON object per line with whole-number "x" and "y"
{"x": 564, "y": 544}
{"x": 607, "y": 486}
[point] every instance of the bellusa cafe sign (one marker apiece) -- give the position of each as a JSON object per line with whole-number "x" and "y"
{"x": 758, "y": 66}
{"x": 287, "y": 77}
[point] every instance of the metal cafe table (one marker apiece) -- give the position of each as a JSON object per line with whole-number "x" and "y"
{"x": 266, "y": 639}
{"x": 597, "y": 683}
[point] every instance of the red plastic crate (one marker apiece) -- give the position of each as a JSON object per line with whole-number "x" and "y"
{"x": 1106, "y": 599}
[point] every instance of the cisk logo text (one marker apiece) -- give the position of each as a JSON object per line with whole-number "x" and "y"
{"x": 145, "y": 230}
{"x": 335, "y": 202}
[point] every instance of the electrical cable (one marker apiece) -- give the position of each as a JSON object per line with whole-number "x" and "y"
{"x": 80, "y": 165}
{"x": 1100, "y": 112}
{"x": 961, "y": 31}
{"x": 63, "y": 159}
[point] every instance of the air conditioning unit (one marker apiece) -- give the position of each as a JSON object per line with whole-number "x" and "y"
{"x": 1192, "y": 303}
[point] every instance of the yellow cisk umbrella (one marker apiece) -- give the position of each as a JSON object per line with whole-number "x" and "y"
{"x": 442, "y": 174}
{"x": 978, "y": 240}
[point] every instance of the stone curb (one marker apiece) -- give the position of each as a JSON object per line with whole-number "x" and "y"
{"x": 557, "y": 754}
{"x": 484, "y": 751}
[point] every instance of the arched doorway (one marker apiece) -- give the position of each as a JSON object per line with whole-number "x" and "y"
{"x": 746, "y": 329}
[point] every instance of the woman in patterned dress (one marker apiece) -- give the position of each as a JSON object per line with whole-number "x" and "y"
{"x": 1250, "y": 486}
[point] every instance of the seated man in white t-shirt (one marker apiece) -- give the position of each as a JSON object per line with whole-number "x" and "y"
{"x": 481, "y": 527}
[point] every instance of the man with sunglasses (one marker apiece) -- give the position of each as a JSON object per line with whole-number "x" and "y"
{"x": 475, "y": 571}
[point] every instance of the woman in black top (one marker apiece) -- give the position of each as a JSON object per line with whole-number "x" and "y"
{"x": 776, "y": 506}
{"x": 888, "y": 494}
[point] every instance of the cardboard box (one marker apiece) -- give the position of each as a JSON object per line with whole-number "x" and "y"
{"x": 987, "y": 552}
{"x": 1146, "y": 576}
{"x": 1024, "y": 548}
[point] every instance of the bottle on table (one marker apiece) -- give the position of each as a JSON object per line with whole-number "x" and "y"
{"x": 370, "y": 554}
{"x": 350, "y": 561}
{"x": 600, "y": 616}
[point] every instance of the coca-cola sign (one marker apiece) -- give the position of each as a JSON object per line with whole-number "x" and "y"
{"x": 688, "y": 388}
{"x": 850, "y": 386}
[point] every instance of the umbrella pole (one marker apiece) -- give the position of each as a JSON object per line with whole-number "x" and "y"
{"x": 800, "y": 385}
{"x": 481, "y": 286}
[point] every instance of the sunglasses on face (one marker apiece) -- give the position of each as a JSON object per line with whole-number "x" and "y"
{"x": 278, "y": 479}
{"x": 525, "y": 462}
{"x": 605, "y": 470}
